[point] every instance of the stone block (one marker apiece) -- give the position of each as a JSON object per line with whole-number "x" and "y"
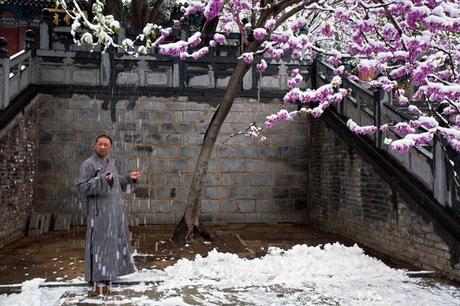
{"x": 262, "y": 180}
{"x": 128, "y": 78}
{"x": 50, "y": 75}
{"x": 227, "y": 151}
{"x": 197, "y": 106}
{"x": 173, "y": 139}
{"x": 253, "y": 218}
{"x": 194, "y": 139}
{"x": 263, "y": 205}
{"x": 157, "y": 78}
{"x": 246, "y": 206}
{"x": 139, "y": 206}
{"x": 65, "y": 137}
{"x": 209, "y": 206}
{"x": 176, "y": 166}
{"x": 163, "y": 116}
{"x": 143, "y": 115}
{"x": 39, "y": 223}
{"x": 245, "y": 192}
{"x": 231, "y": 165}
{"x": 62, "y": 221}
{"x": 176, "y": 105}
{"x": 240, "y": 179}
{"x": 194, "y": 116}
{"x": 257, "y": 165}
{"x": 216, "y": 192}
{"x": 229, "y": 206}
{"x": 188, "y": 151}
{"x": 160, "y": 206}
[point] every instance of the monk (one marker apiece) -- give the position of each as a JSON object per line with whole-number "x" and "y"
{"x": 107, "y": 248}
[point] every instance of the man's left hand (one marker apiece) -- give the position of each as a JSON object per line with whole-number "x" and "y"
{"x": 136, "y": 175}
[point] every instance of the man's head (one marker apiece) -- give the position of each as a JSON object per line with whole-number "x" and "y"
{"x": 103, "y": 146}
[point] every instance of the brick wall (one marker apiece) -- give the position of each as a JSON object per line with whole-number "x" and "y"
{"x": 247, "y": 181}
{"x": 349, "y": 198}
{"x": 18, "y": 154}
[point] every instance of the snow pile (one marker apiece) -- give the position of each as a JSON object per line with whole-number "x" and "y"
{"x": 334, "y": 271}
{"x": 32, "y": 295}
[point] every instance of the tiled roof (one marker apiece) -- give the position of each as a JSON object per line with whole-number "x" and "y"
{"x": 42, "y": 3}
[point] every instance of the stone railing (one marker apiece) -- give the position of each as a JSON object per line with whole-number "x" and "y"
{"x": 430, "y": 164}
{"x": 16, "y": 72}
{"x": 58, "y": 62}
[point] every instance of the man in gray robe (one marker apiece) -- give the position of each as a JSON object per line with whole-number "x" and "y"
{"x": 107, "y": 248}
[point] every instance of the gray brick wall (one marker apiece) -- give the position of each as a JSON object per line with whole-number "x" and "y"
{"x": 349, "y": 198}
{"x": 18, "y": 155}
{"x": 247, "y": 181}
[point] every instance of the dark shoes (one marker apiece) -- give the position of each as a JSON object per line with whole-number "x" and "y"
{"x": 100, "y": 289}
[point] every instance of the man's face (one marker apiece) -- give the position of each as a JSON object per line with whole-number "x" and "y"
{"x": 103, "y": 147}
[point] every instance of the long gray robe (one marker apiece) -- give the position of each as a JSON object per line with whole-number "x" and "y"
{"x": 107, "y": 247}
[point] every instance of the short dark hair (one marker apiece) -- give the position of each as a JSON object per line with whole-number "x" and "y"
{"x": 104, "y": 136}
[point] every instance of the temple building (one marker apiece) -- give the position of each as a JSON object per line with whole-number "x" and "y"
{"x": 16, "y": 17}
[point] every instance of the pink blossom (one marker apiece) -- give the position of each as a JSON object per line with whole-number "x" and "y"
{"x": 420, "y": 74}
{"x": 317, "y": 112}
{"x": 248, "y": 57}
{"x": 262, "y": 66}
{"x": 298, "y": 24}
{"x": 213, "y": 9}
{"x": 327, "y": 29}
{"x": 194, "y": 8}
{"x": 399, "y": 72}
{"x": 200, "y": 53}
{"x": 282, "y": 115}
{"x": 260, "y": 33}
{"x": 360, "y": 130}
{"x": 402, "y": 145}
{"x": 194, "y": 40}
{"x": 295, "y": 81}
{"x": 270, "y": 25}
{"x": 353, "y": 78}
{"x": 420, "y": 139}
{"x": 279, "y": 38}
{"x": 414, "y": 124}
{"x": 339, "y": 70}
{"x": 219, "y": 39}
{"x": 404, "y": 128}
{"x": 428, "y": 122}
{"x": 414, "y": 110}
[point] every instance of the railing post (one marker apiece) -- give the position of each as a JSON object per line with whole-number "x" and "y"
{"x": 439, "y": 172}
{"x": 378, "y": 117}
{"x": 247, "y": 79}
{"x": 45, "y": 35}
{"x": 4, "y": 74}
{"x": 314, "y": 74}
{"x": 105, "y": 67}
{"x": 30, "y": 41}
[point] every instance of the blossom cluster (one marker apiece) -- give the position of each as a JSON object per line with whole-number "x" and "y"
{"x": 282, "y": 115}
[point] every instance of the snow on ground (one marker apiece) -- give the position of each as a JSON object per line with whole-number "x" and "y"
{"x": 332, "y": 274}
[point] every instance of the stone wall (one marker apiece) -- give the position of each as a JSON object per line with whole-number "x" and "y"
{"x": 349, "y": 198}
{"x": 18, "y": 155}
{"x": 247, "y": 181}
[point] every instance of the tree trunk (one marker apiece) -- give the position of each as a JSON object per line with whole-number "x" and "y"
{"x": 189, "y": 222}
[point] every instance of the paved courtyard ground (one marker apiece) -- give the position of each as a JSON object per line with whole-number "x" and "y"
{"x": 58, "y": 257}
